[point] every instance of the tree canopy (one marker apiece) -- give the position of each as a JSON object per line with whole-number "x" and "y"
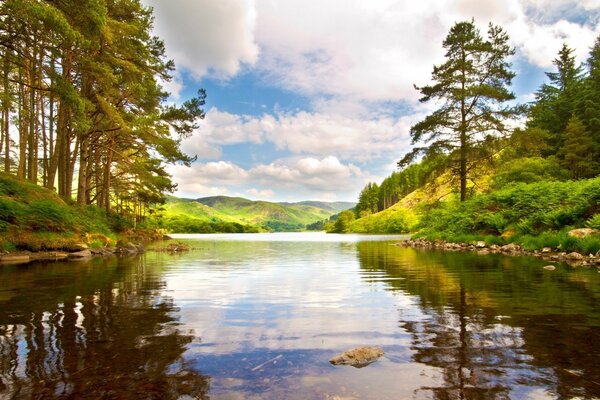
{"x": 82, "y": 109}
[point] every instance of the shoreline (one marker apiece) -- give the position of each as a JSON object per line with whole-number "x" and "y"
{"x": 573, "y": 259}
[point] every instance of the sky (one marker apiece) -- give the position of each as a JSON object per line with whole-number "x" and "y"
{"x": 311, "y": 100}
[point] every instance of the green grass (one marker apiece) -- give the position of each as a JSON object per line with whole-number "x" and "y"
{"x": 34, "y": 218}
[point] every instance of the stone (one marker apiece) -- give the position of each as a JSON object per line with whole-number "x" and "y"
{"x": 550, "y": 267}
{"x": 81, "y": 254}
{"x": 547, "y": 250}
{"x": 359, "y": 357}
{"x": 575, "y": 256}
{"x": 49, "y": 256}
{"x": 511, "y": 248}
{"x": 15, "y": 258}
{"x": 480, "y": 244}
{"x": 583, "y": 232}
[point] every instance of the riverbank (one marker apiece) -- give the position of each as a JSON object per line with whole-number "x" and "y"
{"x": 549, "y": 254}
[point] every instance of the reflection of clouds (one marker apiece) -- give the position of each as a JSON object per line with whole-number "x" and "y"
{"x": 263, "y": 295}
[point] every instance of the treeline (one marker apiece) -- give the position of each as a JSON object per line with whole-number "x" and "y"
{"x": 82, "y": 109}
{"x": 559, "y": 141}
{"x": 178, "y": 224}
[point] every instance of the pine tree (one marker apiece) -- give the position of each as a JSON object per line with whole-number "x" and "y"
{"x": 557, "y": 101}
{"x": 576, "y": 153}
{"x": 471, "y": 85}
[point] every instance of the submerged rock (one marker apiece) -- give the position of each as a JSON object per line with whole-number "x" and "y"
{"x": 550, "y": 267}
{"x": 359, "y": 357}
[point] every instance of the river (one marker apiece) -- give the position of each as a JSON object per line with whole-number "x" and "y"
{"x": 258, "y": 316}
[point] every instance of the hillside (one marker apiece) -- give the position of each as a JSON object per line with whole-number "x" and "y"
{"x": 248, "y": 213}
{"x": 34, "y": 218}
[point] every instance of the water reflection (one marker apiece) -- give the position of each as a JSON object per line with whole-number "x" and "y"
{"x": 496, "y": 327}
{"x": 96, "y": 330}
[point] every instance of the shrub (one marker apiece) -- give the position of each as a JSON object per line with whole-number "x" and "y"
{"x": 593, "y": 222}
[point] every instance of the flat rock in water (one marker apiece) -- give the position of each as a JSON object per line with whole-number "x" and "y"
{"x": 14, "y": 258}
{"x": 80, "y": 254}
{"x": 550, "y": 267}
{"x": 359, "y": 357}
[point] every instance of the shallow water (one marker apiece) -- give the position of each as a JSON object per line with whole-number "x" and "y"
{"x": 259, "y": 316}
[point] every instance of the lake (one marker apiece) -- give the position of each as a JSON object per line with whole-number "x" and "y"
{"x": 258, "y": 316}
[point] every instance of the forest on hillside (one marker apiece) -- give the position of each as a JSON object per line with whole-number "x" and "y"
{"x": 483, "y": 166}
{"x": 559, "y": 140}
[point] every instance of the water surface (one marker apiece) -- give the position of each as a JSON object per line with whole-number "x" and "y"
{"x": 259, "y": 316}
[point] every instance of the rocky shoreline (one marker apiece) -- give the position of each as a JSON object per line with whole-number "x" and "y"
{"x": 480, "y": 247}
{"x": 79, "y": 252}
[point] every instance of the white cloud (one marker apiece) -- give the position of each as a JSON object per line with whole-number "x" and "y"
{"x": 375, "y": 51}
{"x": 261, "y": 194}
{"x": 207, "y": 35}
{"x": 320, "y": 134}
{"x": 317, "y": 177}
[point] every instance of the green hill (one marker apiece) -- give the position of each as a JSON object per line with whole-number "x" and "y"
{"x": 247, "y": 213}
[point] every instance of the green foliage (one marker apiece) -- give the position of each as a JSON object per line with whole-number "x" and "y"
{"x": 343, "y": 223}
{"x": 594, "y": 222}
{"x": 527, "y": 209}
{"x": 529, "y": 170}
{"x": 181, "y": 224}
{"x": 578, "y": 153}
{"x": 266, "y": 215}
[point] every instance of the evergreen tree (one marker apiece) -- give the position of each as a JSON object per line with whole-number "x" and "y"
{"x": 589, "y": 106}
{"x": 557, "y": 101}
{"x": 471, "y": 86}
{"x": 576, "y": 153}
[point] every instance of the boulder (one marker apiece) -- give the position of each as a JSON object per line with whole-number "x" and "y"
{"x": 80, "y": 254}
{"x": 359, "y": 357}
{"x": 547, "y": 250}
{"x": 480, "y": 244}
{"x": 575, "y": 256}
{"x": 511, "y": 248}
{"x": 583, "y": 232}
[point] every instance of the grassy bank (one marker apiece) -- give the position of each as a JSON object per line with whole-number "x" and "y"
{"x": 34, "y": 218}
{"x": 534, "y": 215}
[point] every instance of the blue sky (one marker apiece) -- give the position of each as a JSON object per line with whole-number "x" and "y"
{"x": 313, "y": 99}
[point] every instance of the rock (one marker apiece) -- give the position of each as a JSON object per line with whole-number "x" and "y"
{"x": 480, "y": 244}
{"x": 575, "y": 256}
{"x": 49, "y": 256}
{"x": 14, "y": 258}
{"x": 547, "y": 250}
{"x": 550, "y": 267}
{"x": 359, "y": 357}
{"x": 583, "y": 232}
{"x": 511, "y": 248}
{"x": 81, "y": 254}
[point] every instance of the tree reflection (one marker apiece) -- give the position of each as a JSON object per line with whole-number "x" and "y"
{"x": 107, "y": 334}
{"x": 483, "y": 324}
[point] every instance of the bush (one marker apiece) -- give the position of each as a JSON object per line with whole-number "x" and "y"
{"x": 594, "y": 222}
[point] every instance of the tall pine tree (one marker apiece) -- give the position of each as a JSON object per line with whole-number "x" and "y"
{"x": 471, "y": 87}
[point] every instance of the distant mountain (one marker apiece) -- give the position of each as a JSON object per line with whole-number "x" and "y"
{"x": 274, "y": 216}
